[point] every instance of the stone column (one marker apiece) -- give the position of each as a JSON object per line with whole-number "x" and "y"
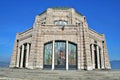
{"x": 53, "y": 66}
{"x": 27, "y": 54}
{"x": 98, "y": 57}
{"x": 102, "y": 59}
{"x": 93, "y": 56}
{"x": 18, "y": 57}
{"x": 22, "y": 54}
{"x": 66, "y": 55}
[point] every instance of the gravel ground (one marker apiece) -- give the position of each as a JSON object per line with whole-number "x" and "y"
{"x": 37, "y": 74}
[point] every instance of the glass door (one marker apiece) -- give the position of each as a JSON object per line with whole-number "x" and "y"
{"x": 72, "y": 56}
{"x": 47, "y": 56}
{"x": 60, "y": 55}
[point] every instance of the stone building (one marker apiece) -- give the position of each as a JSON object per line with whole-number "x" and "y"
{"x": 60, "y": 39}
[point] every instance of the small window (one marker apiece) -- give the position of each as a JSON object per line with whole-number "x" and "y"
{"x": 60, "y": 22}
{"x": 102, "y": 41}
{"x": 95, "y": 42}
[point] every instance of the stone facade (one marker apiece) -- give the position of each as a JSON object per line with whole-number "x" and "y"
{"x": 63, "y": 26}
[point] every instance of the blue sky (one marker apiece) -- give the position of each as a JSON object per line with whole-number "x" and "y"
{"x": 19, "y": 15}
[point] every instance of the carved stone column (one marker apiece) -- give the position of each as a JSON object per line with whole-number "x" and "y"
{"x": 98, "y": 57}
{"x": 66, "y": 55}
{"x": 27, "y": 54}
{"x": 102, "y": 59}
{"x": 53, "y": 66}
{"x": 22, "y": 54}
{"x": 18, "y": 57}
{"x": 93, "y": 56}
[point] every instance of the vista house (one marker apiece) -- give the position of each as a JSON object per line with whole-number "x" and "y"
{"x": 60, "y": 38}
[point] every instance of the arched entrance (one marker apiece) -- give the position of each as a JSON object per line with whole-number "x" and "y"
{"x": 65, "y": 55}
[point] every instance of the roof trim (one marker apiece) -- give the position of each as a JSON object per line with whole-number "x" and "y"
{"x": 61, "y": 8}
{"x": 42, "y": 13}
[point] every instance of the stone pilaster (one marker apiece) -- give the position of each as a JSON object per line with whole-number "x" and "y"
{"x": 98, "y": 57}
{"x": 93, "y": 56}
{"x": 53, "y": 52}
{"x": 86, "y": 46}
{"x": 27, "y": 54}
{"x": 22, "y": 54}
{"x": 33, "y": 51}
{"x": 79, "y": 47}
{"x": 18, "y": 56}
{"x": 67, "y": 67}
{"x": 102, "y": 59}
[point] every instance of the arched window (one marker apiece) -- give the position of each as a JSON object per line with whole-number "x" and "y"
{"x": 60, "y": 22}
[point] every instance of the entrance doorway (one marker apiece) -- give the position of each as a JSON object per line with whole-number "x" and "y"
{"x": 60, "y": 55}
{"x": 65, "y": 55}
{"x": 72, "y": 55}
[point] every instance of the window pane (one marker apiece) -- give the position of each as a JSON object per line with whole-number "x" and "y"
{"x": 48, "y": 54}
{"x": 60, "y": 22}
{"x": 60, "y": 53}
{"x": 72, "y": 54}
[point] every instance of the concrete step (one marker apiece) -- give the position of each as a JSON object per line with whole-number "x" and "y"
{"x": 37, "y": 74}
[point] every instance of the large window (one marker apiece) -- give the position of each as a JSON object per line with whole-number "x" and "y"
{"x": 48, "y": 54}
{"x": 60, "y": 55}
{"x": 72, "y": 55}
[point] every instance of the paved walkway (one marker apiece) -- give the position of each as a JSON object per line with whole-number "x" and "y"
{"x": 25, "y": 74}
